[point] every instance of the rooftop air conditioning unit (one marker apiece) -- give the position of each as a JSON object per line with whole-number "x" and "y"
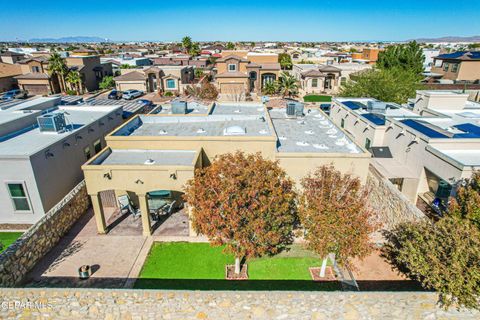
{"x": 53, "y": 122}
{"x": 376, "y": 106}
{"x": 294, "y": 109}
{"x": 179, "y": 107}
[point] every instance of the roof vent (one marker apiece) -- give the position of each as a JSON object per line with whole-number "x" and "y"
{"x": 320, "y": 146}
{"x": 237, "y": 111}
{"x": 201, "y": 130}
{"x": 310, "y": 132}
{"x": 263, "y": 131}
{"x": 282, "y": 138}
{"x": 162, "y": 132}
{"x": 54, "y": 122}
{"x": 149, "y": 162}
{"x": 302, "y": 144}
{"x": 234, "y": 131}
{"x": 332, "y": 131}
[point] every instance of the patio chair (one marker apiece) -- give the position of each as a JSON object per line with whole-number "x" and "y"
{"x": 126, "y": 205}
{"x": 167, "y": 210}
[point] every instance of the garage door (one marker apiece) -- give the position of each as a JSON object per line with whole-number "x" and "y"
{"x": 124, "y": 86}
{"x": 232, "y": 88}
{"x": 36, "y": 89}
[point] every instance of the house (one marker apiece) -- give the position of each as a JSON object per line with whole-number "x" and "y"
{"x": 36, "y": 79}
{"x": 370, "y": 55}
{"x": 424, "y": 150}
{"x": 157, "y": 154}
{"x": 239, "y": 72}
{"x": 11, "y": 57}
{"x": 8, "y": 72}
{"x": 42, "y": 148}
{"x": 156, "y": 78}
{"x": 463, "y": 66}
{"x": 317, "y": 78}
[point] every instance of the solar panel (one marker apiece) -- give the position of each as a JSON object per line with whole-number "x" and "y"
{"x": 423, "y": 129}
{"x": 379, "y": 120}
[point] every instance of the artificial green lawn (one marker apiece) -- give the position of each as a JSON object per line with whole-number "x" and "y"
{"x": 7, "y": 238}
{"x": 317, "y": 98}
{"x": 181, "y": 265}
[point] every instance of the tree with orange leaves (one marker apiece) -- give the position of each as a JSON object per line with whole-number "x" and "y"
{"x": 334, "y": 211}
{"x": 244, "y": 202}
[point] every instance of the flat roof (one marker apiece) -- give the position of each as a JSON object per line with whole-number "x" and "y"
{"x": 312, "y": 133}
{"x": 238, "y": 108}
{"x": 195, "y": 126}
{"x": 192, "y": 108}
{"x": 33, "y": 140}
{"x": 149, "y": 157}
{"x": 466, "y": 157}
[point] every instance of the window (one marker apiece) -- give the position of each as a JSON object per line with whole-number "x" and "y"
{"x": 314, "y": 83}
{"x": 35, "y": 69}
{"x": 367, "y": 143}
{"x": 232, "y": 67}
{"x": 97, "y": 146}
{"x": 454, "y": 68}
{"x": 171, "y": 84}
{"x": 343, "y": 80}
{"x": 87, "y": 153}
{"x": 445, "y": 66}
{"x": 342, "y": 123}
{"x": 19, "y": 196}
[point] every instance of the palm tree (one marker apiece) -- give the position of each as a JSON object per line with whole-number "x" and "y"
{"x": 58, "y": 67}
{"x": 287, "y": 85}
{"x": 74, "y": 79}
{"x": 270, "y": 87}
{"x": 187, "y": 43}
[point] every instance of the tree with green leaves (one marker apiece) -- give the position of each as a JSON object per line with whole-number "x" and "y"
{"x": 232, "y": 204}
{"x": 285, "y": 61}
{"x": 390, "y": 85}
{"x": 58, "y": 68}
{"x": 466, "y": 203}
{"x": 230, "y": 46}
{"x": 442, "y": 256}
{"x": 107, "y": 83}
{"x": 270, "y": 88}
{"x": 402, "y": 56}
{"x": 194, "y": 50}
{"x": 187, "y": 43}
{"x": 334, "y": 212}
{"x": 287, "y": 85}
{"x": 74, "y": 79}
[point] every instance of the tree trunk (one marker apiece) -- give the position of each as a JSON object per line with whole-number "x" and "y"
{"x": 324, "y": 267}
{"x": 237, "y": 265}
{"x": 60, "y": 82}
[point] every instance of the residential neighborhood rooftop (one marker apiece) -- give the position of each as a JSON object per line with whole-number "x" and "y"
{"x": 147, "y": 157}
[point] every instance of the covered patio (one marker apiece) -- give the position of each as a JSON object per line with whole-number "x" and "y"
{"x": 140, "y": 189}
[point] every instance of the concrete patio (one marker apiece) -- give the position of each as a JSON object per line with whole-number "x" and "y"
{"x": 115, "y": 258}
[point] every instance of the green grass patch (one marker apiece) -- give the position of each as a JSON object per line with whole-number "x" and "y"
{"x": 7, "y": 238}
{"x": 317, "y": 98}
{"x": 198, "y": 266}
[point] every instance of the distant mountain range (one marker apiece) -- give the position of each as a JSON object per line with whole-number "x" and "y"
{"x": 69, "y": 40}
{"x": 450, "y": 39}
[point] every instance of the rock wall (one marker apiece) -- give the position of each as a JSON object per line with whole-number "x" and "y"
{"x": 21, "y": 256}
{"x": 390, "y": 204}
{"x": 155, "y": 304}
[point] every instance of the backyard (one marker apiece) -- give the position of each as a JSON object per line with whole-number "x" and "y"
{"x": 7, "y": 238}
{"x": 181, "y": 265}
{"x": 317, "y": 98}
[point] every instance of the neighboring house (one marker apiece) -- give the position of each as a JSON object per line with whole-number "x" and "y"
{"x": 314, "y": 78}
{"x": 157, "y": 154}
{"x": 239, "y": 72}
{"x": 11, "y": 57}
{"x": 156, "y": 79}
{"x": 8, "y": 72}
{"x": 37, "y": 80}
{"x": 370, "y": 55}
{"x": 457, "y": 66}
{"x": 128, "y": 60}
{"x": 42, "y": 148}
{"x": 424, "y": 151}
{"x": 181, "y": 60}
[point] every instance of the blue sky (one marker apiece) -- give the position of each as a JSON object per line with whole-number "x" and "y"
{"x": 278, "y": 20}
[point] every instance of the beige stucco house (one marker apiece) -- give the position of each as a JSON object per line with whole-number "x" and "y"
{"x": 151, "y": 154}
{"x": 156, "y": 79}
{"x": 239, "y": 72}
{"x": 458, "y": 66}
{"x": 317, "y": 78}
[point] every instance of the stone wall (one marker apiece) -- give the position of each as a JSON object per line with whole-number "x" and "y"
{"x": 21, "y": 256}
{"x": 390, "y": 204}
{"x": 155, "y": 304}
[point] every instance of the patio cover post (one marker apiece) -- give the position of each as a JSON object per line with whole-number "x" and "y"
{"x": 145, "y": 212}
{"x": 99, "y": 214}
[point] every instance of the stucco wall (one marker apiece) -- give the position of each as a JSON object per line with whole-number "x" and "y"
{"x": 156, "y": 304}
{"x": 21, "y": 256}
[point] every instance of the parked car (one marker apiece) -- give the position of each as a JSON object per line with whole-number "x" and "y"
{"x": 132, "y": 94}
{"x": 145, "y": 102}
{"x": 15, "y": 94}
{"x": 115, "y": 95}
